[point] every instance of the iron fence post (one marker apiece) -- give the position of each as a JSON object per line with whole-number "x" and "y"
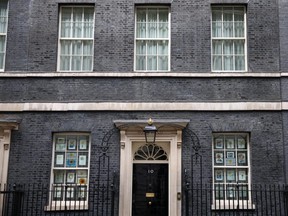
{"x": 16, "y": 201}
{"x": 187, "y": 188}
{"x": 286, "y": 199}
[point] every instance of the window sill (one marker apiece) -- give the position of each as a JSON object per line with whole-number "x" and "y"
{"x": 226, "y": 206}
{"x": 141, "y": 74}
{"x": 66, "y": 207}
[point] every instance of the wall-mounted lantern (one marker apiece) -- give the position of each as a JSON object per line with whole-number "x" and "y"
{"x": 150, "y": 132}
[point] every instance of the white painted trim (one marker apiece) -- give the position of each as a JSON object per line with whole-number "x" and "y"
{"x": 191, "y": 74}
{"x": 145, "y": 106}
{"x": 170, "y": 142}
{"x": 5, "y": 139}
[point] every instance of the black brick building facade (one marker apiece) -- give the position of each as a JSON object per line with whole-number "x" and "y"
{"x": 43, "y": 102}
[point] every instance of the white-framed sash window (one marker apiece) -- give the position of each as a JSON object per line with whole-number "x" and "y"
{"x": 229, "y": 43}
{"x": 70, "y": 171}
{"x": 152, "y": 39}
{"x": 76, "y": 39}
{"x": 3, "y": 32}
{"x": 231, "y": 170}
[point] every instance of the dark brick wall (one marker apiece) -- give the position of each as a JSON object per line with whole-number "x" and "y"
{"x": 283, "y": 23}
{"x": 31, "y": 145}
{"x": 285, "y": 143}
{"x": 139, "y": 89}
{"x": 33, "y": 39}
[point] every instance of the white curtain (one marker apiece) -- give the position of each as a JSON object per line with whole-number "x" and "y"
{"x": 66, "y": 22}
{"x": 3, "y": 18}
{"x": 2, "y": 50}
{"x": 228, "y": 54}
{"x": 77, "y": 54}
{"x": 152, "y": 23}
{"x": 65, "y": 55}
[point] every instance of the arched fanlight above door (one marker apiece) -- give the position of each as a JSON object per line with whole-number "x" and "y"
{"x": 150, "y": 152}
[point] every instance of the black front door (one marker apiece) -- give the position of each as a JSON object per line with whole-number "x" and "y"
{"x": 150, "y": 190}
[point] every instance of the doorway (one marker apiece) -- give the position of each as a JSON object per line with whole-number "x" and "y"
{"x": 138, "y": 158}
{"x": 150, "y": 190}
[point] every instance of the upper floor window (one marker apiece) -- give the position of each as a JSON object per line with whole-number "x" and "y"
{"x": 231, "y": 169}
{"x": 152, "y": 39}
{"x": 3, "y": 31}
{"x": 229, "y": 38}
{"x": 76, "y": 39}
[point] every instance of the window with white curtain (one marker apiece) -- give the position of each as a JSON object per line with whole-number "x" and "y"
{"x": 76, "y": 38}
{"x": 229, "y": 38}
{"x": 3, "y": 31}
{"x": 152, "y": 39}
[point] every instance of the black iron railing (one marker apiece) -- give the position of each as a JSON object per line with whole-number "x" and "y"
{"x": 38, "y": 199}
{"x": 201, "y": 199}
{"x": 264, "y": 200}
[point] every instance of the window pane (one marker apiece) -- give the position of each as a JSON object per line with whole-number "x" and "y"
{"x": 88, "y": 22}
{"x": 2, "y": 43}
{"x": 140, "y": 47}
{"x": 227, "y": 14}
{"x": 1, "y": 60}
{"x": 163, "y": 47}
{"x": 217, "y": 63}
{"x": 228, "y": 63}
{"x": 163, "y": 63}
{"x": 163, "y": 23}
{"x": 77, "y": 14}
{"x": 228, "y": 47}
{"x": 217, "y": 14}
{"x": 65, "y": 63}
{"x": 239, "y": 63}
{"x": 141, "y": 15}
{"x": 88, "y": 14}
{"x": 239, "y": 47}
{"x": 152, "y": 47}
{"x": 152, "y": 23}
{"x": 152, "y": 27}
{"x": 238, "y": 14}
{"x": 3, "y": 18}
{"x": 163, "y": 30}
{"x": 140, "y": 63}
{"x": 76, "y": 63}
{"x": 152, "y": 63}
{"x": 66, "y": 22}
{"x": 217, "y": 29}
{"x": 141, "y": 30}
{"x": 66, "y": 29}
{"x": 239, "y": 29}
{"x": 88, "y": 48}
{"x": 163, "y": 15}
{"x": 217, "y": 47}
{"x": 77, "y": 23}
{"x": 87, "y": 63}
{"x": 77, "y": 47}
{"x": 227, "y": 29}
{"x": 65, "y": 47}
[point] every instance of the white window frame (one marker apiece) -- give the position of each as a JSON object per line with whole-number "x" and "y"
{"x": 235, "y": 202}
{"x": 152, "y": 39}
{"x": 71, "y": 204}
{"x": 230, "y": 38}
{"x": 75, "y": 39}
{"x": 5, "y": 34}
